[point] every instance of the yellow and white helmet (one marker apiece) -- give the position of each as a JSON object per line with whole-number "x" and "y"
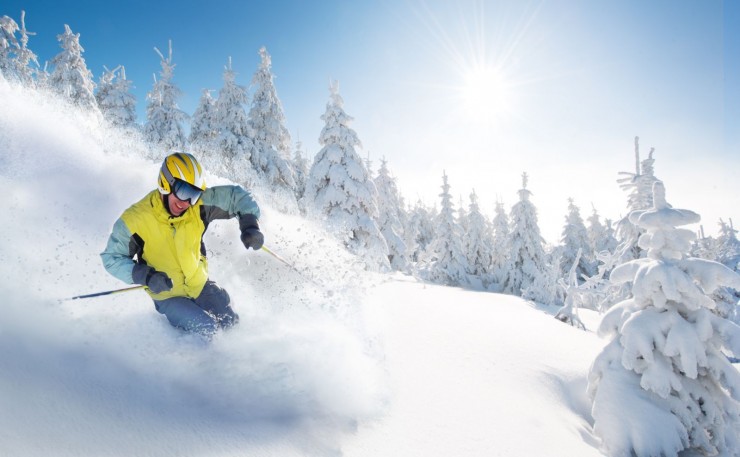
{"x": 180, "y": 166}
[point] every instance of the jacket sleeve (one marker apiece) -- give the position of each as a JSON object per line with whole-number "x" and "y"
{"x": 117, "y": 256}
{"x": 226, "y": 202}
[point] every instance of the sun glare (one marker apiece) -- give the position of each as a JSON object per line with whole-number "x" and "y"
{"x": 486, "y": 95}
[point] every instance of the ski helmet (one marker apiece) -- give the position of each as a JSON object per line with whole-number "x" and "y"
{"x": 180, "y": 166}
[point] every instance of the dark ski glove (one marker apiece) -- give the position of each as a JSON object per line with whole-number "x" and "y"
{"x": 251, "y": 235}
{"x": 155, "y": 280}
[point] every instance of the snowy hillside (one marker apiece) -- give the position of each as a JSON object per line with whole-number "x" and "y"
{"x": 366, "y": 365}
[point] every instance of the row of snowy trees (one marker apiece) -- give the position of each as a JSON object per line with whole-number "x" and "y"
{"x": 454, "y": 246}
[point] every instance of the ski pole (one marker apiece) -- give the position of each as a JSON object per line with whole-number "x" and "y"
{"x": 108, "y": 292}
{"x": 286, "y": 263}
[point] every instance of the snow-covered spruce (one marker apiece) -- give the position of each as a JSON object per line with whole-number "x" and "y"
{"x": 163, "y": 128}
{"x": 390, "y": 214}
{"x": 272, "y": 143}
{"x": 444, "y": 260}
{"x": 420, "y": 230}
{"x": 15, "y": 56}
{"x": 575, "y": 238}
{"x": 499, "y": 247}
{"x": 71, "y": 78}
{"x": 234, "y": 146}
{"x": 115, "y": 99}
{"x": 478, "y": 246}
{"x": 663, "y": 383}
{"x": 528, "y": 273}
{"x": 300, "y": 167}
{"x": 203, "y": 129}
{"x": 339, "y": 189}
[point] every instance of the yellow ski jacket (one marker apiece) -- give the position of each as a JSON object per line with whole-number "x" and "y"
{"x": 148, "y": 233}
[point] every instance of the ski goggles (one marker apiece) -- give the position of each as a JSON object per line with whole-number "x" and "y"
{"x": 186, "y": 192}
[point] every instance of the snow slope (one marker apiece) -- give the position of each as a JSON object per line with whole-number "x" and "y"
{"x": 384, "y": 365}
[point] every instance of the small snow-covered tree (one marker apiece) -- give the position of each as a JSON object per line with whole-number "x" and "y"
{"x": 499, "y": 247}
{"x": 15, "y": 56}
{"x": 574, "y": 239}
{"x": 272, "y": 143}
{"x": 528, "y": 273}
{"x": 444, "y": 261}
{"x": 71, "y": 77}
{"x": 300, "y": 166}
{"x": 233, "y": 142}
{"x": 663, "y": 384}
{"x": 115, "y": 99}
{"x": 727, "y": 252}
{"x": 203, "y": 131}
{"x": 478, "y": 245}
{"x": 163, "y": 128}
{"x": 419, "y": 230}
{"x": 25, "y": 57}
{"x": 389, "y": 217}
{"x": 600, "y": 237}
{"x": 728, "y": 246}
{"x": 8, "y": 43}
{"x": 339, "y": 189}
{"x": 639, "y": 187}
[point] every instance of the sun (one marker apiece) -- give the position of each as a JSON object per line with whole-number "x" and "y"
{"x": 486, "y": 95}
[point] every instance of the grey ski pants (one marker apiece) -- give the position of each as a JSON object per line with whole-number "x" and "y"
{"x": 205, "y": 314}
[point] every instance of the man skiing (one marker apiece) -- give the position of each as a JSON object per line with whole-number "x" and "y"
{"x": 158, "y": 243}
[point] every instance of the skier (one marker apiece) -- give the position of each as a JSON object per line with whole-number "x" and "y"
{"x": 158, "y": 243}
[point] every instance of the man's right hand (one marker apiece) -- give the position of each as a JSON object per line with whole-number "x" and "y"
{"x": 155, "y": 280}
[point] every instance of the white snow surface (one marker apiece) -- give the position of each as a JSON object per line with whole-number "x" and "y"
{"x": 381, "y": 366}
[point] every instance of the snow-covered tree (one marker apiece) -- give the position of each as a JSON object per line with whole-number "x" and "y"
{"x": 462, "y": 216}
{"x": 572, "y": 291}
{"x": 233, "y": 142}
{"x": 24, "y": 56}
{"x": 639, "y": 186}
{"x": 8, "y": 44}
{"x": 70, "y": 77}
{"x": 574, "y": 239}
{"x": 300, "y": 167}
{"x": 444, "y": 261}
{"x": 478, "y": 245}
{"x": 528, "y": 273}
{"x": 663, "y": 384}
{"x": 727, "y": 252}
{"x": 339, "y": 189}
{"x": 704, "y": 247}
{"x": 15, "y": 56}
{"x": 389, "y": 217}
{"x": 203, "y": 131}
{"x": 419, "y": 230}
{"x": 728, "y": 246}
{"x": 499, "y": 247}
{"x": 600, "y": 236}
{"x": 115, "y": 99}
{"x": 272, "y": 142}
{"x": 163, "y": 128}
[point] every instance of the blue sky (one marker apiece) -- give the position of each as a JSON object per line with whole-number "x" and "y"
{"x": 483, "y": 90}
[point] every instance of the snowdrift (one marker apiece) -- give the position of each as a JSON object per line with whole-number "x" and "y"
{"x": 382, "y": 365}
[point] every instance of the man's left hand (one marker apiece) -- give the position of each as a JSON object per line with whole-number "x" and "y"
{"x": 251, "y": 235}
